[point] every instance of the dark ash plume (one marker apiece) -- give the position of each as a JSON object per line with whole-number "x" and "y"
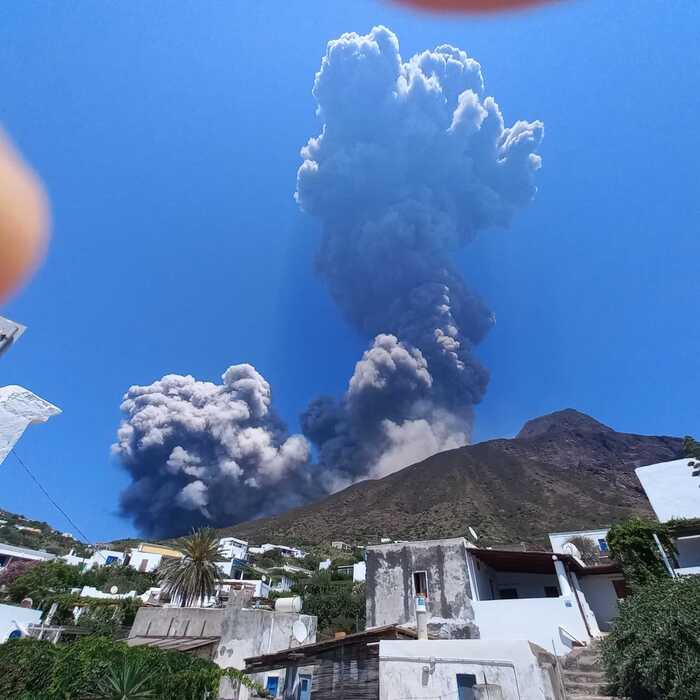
{"x": 202, "y": 452}
{"x": 412, "y": 161}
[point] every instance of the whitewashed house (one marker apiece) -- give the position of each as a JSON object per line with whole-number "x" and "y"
{"x": 233, "y": 548}
{"x": 673, "y": 489}
{"x": 285, "y": 551}
{"x": 550, "y": 599}
{"x": 9, "y": 553}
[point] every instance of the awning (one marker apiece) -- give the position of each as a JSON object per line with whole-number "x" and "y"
{"x": 536, "y": 562}
{"x": 173, "y": 643}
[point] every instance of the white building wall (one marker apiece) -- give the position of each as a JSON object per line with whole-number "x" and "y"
{"x": 359, "y": 572}
{"x": 602, "y": 598}
{"x": 233, "y": 548}
{"x": 12, "y": 617}
{"x": 672, "y": 489}
{"x": 429, "y": 668}
{"x": 544, "y": 621}
{"x": 152, "y": 560}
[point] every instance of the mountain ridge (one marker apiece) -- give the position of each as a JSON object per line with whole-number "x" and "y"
{"x": 562, "y": 471}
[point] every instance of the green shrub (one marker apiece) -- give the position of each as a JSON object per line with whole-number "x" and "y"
{"x": 36, "y": 670}
{"x": 632, "y": 545}
{"x": 653, "y": 650}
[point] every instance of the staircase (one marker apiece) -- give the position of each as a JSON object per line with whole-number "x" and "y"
{"x": 583, "y": 677}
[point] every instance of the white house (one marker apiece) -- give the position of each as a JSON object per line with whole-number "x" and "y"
{"x": 148, "y": 557}
{"x": 285, "y": 551}
{"x": 10, "y": 553}
{"x": 100, "y": 557}
{"x": 233, "y": 548}
{"x": 550, "y": 599}
{"x": 673, "y": 489}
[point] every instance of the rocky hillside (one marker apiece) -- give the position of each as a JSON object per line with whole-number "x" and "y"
{"x": 563, "y": 471}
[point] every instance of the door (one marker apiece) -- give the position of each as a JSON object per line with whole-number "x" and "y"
{"x": 272, "y": 686}
{"x": 465, "y": 686}
{"x": 304, "y": 687}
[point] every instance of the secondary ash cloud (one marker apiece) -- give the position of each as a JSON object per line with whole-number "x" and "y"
{"x": 199, "y": 452}
{"x": 412, "y": 161}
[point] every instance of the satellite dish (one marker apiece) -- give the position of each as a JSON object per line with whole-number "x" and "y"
{"x": 113, "y": 590}
{"x": 299, "y": 631}
{"x": 472, "y": 532}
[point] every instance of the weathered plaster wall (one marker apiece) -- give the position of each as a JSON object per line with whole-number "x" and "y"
{"x": 249, "y": 632}
{"x": 391, "y": 595}
{"x": 428, "y": 669}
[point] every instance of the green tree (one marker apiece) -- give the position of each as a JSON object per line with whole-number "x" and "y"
{"x": 45, "y": 580}
{"x": 338, "y": 605}
{"x": 193, "y": 578}
{"x": 632, "y": 544}
{"x": 653, "y": 649}
{"x": 691, "y": 447}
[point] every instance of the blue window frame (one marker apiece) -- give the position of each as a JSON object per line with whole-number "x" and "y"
{"x": 603, "y": 545}
{"x": 272, "y": 686}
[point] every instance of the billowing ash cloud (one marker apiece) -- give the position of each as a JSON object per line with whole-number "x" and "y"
{"x": 413, "y": 160}
{"x": 203, "y": 452}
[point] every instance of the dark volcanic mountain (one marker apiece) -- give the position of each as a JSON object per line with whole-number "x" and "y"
{"x": 563, "y": 471}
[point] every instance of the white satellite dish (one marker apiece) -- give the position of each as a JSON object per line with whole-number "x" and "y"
{"x": 299, "y": 631}
{"x": 472, "y": 532}
{"x": 114, "y": 590}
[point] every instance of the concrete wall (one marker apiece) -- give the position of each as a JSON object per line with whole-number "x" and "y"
{"x": 537, "y": 620}
{"x": 672, "y": 489}
{"x": 601, "y": 597}
{"x": 249, "y": 632}
{"x": 12, "y": 615}
{"x": 391, "y": 595}
{"x": 428, "y": 669}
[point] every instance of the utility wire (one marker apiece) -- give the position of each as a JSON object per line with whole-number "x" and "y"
{"x": 53, "y": 502}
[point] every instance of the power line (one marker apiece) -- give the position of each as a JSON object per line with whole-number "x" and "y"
{"x": 55, "y": 505}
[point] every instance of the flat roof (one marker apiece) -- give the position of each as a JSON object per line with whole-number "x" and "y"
{"x": 536, "y": 562}
{"x": 12, "y": 550}
{"x": 671, "y": 488}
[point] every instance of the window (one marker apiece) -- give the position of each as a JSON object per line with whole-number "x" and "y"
{"x": 111, "y": 559}
{"x": 272, "y": 685}
{"x": 465, "y": 686}
{"x": 420, "y": 583}
{"x": 143, "y": 565}
{"x": 603, "y": 545}
{"x": 551, "y": 592}
{"x": 507, "y": 593}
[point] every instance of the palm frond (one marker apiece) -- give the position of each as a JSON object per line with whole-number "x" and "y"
{"x": 193, "y": 578}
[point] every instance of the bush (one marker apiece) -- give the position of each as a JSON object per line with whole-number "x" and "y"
{"x": 653, "y": 650}
{"x": 37, "y": 670}
{"x": 338, "y": 605}
{"x": 632, "y": 545}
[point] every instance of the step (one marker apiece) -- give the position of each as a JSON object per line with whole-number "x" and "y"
{"x": 586, "y": 689}
{"x": 582, "y": 662}
{"x": 576, "y": 676}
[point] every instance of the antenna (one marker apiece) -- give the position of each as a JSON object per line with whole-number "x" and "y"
{"x": 10, "y": 333}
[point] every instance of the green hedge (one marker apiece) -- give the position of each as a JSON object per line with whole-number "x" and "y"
{"x": 37, "y": 670}
{"x": 653, "y": 650}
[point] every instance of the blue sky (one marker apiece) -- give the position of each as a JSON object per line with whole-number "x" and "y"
{"x": 168, "y": 136}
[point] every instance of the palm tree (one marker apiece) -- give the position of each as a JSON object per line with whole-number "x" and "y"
{"x": 193, "y": 578}
{"x": 128, "y": 681}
